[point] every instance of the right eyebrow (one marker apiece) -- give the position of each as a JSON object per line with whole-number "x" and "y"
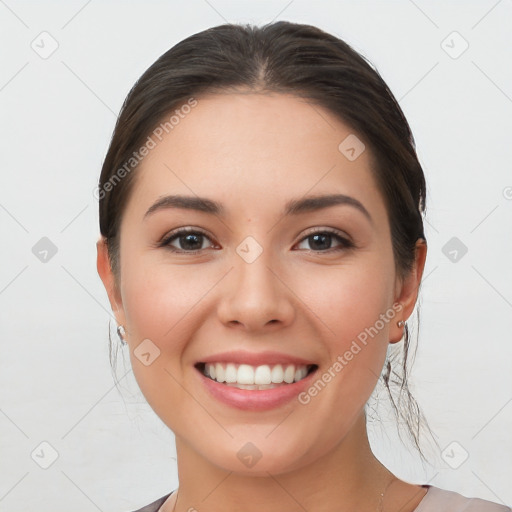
{"x": 201, "y": 204}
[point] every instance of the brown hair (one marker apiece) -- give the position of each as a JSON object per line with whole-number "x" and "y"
{"x": 290, "y": 58}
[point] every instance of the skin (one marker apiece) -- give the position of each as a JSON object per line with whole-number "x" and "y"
{"x": 253, "y": 152}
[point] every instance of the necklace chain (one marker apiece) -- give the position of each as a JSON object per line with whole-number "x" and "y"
{"x": 382, "y": 494}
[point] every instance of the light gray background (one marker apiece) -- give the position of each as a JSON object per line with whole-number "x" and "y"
{"x": 57, "y": 116}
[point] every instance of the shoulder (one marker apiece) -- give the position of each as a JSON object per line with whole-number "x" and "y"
{"x": 441, "y": 500}
{"x": 155, "y": 505}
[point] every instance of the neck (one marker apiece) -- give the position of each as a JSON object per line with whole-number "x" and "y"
{"x": 347, "y": 477}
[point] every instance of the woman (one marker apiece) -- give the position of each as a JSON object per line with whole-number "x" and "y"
{"x": 262, "y": 247}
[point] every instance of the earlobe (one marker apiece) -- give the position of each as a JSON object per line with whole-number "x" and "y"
{"x": 400, "y": 327}
{"x": 105, "y": 272}
{"x": 407, "y": 290}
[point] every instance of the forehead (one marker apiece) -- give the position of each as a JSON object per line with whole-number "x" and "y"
{"x": 234, "y": 147}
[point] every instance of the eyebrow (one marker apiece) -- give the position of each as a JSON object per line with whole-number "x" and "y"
{"x": 292, "y": 207}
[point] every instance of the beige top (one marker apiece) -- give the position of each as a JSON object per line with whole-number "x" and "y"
{"x": 435, "y": 500}
{"x": 441, "y": 500}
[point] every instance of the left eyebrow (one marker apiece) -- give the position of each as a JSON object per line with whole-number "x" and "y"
{"x": 292, "y": 207}
{"x": 314, "y": 203}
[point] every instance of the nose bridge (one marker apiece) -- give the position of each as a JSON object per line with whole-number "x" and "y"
{"x": 256, "y": 295}
{"x": 255, "y": 279}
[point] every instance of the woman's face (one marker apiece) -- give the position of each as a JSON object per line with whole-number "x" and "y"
{"x": 254, "y": 278}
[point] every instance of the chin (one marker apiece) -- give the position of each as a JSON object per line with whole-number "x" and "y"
{"x": 257, "y": 458}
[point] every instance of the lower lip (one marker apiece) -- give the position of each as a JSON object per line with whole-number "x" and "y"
{"x": 255, "y": 399}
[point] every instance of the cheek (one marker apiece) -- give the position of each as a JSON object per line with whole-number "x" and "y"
{"x": 349, "y": 300}
{"x": 161, "y": 304}
{"x": 160, "y": 298}
{"x": 354, "y": 311}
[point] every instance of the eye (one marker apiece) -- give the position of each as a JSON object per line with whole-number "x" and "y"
{"x": 189, "y": 240}
{"x": 321, "y": 240}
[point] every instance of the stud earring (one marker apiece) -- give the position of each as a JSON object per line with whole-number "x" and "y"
{"x": 121, "y": 333}
{"x": 401, "y": 323}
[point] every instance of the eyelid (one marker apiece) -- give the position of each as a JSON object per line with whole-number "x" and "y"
{"x": 325, "y": 229}
{"x": 184, "y": 229}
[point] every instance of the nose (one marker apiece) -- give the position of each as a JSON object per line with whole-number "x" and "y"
{"x": 255, "y": 296}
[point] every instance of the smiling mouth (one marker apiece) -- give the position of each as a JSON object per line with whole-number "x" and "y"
{"x": 244, "y": 376}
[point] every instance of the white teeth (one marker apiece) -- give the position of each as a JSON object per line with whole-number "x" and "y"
{"x": 262, "y": 375}
{"x": 277, "y": 374}
{"x": 257, "y": 376}
{"x": 300, "y": 373}
{"x": 219, "y": 373}
{"x": 231, "y": 373}
{"x": 253, "y": 386}
{"x": 289, "y": 374}
{"x": 245, "y": 375}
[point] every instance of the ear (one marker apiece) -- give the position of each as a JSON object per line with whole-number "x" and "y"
{"x": 406, "y": 291}
{"x": 107, "y": 276}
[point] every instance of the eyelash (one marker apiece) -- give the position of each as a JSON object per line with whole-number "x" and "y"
{"x": 345, "y": 242}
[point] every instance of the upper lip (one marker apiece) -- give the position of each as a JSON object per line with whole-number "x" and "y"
{"x": 255, "y": 358}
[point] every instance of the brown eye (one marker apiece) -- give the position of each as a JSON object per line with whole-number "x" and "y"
{"x": 187, "y": 240}
{"x": 321, "y": 241}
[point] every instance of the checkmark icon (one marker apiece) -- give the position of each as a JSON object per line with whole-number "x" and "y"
{"x": 44, "y": 45}
{"x": 455, "y": 455}
{"x": 249, "y": 249}
{"x": 44, "y": 455}
{"x": 454, "y": 45}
